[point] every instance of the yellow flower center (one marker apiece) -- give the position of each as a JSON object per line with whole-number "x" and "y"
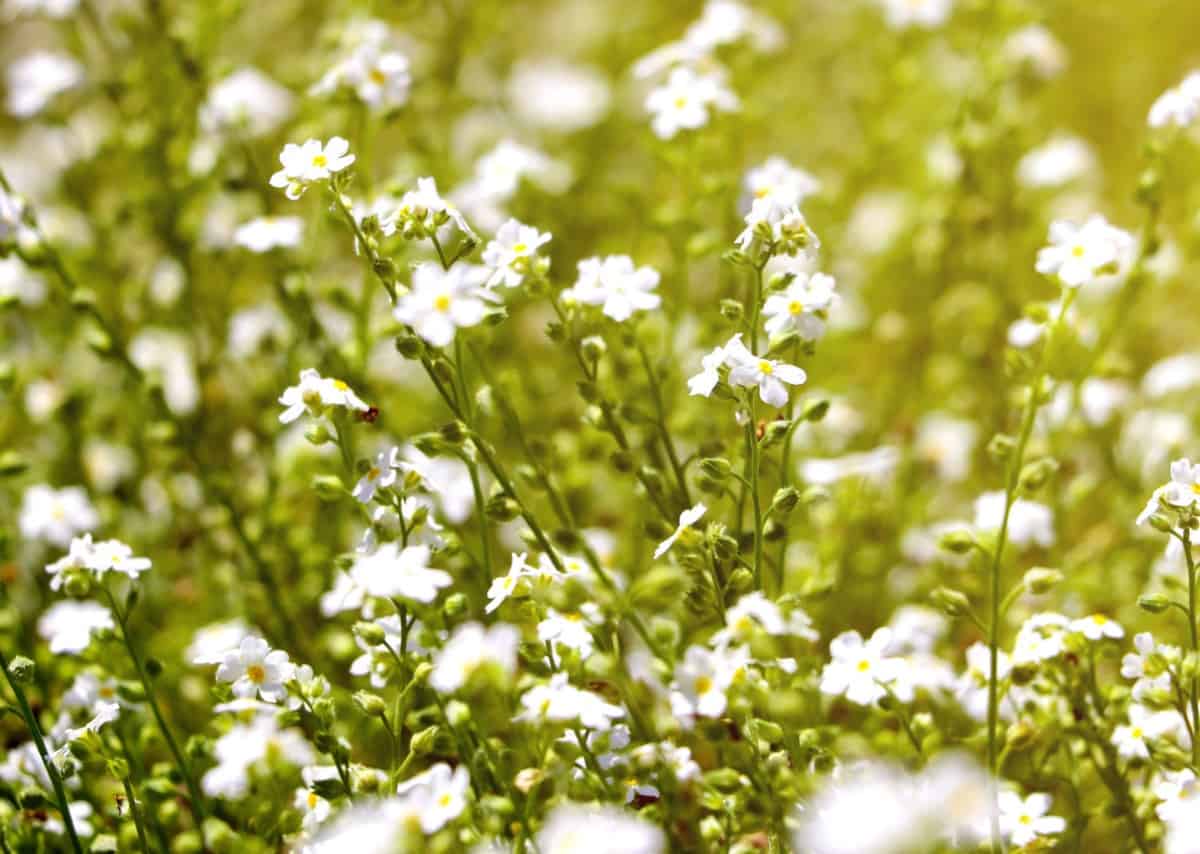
{"x": 761, "y": 192}
{"x": 313, "y": 800}
{"x": 864, "y": 666}
{"x": 340, "y": 386}
{"x": 377, "y": 76}
{"x": 520, "y": 247}
{"x": 795, "y": 307}
{"x": 312, "y": 398}
{"x": 1025, "y": 819}
{"x": 765, "y": 367}
{"x": 1077, "y": 251}
{"x": 256, "y": 674}
{"x": 444, "y": 800}
{"x": 680, "y": 102}
{"x": 442, "y": 303}
{"x": 374, "y": 473}
{"x": 1099, "y": 619}
{"x": 320, "y": 161}
{"x": 1136, "y": 732}
{"x": 574, "y": 618}
{"x": 702, "y": 685}
{"x": 1196, "y": 488}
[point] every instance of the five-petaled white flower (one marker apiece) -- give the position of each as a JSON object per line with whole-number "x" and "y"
{"x": 1078, "y": 254}
{"x": 441, "y": 302}
{"x": 772, "y": 378}
{"x": 864, "y": 672}
{"x": 1023, "y": 821}
{"x": 704, "y": 382}
{"x": 382, "y": 473}
{"x": 309, "y": 163}
{"x": 255, "y": 669}
{"x": 687, "y": 519}
{"x": 511, "y": 255}
{"x": 685, "y": 101}
{"x": 801, "y": 307}
{"x": 615, "y": 284}
{"x": 390, "y": 571}
{"x": 315, "y": 394}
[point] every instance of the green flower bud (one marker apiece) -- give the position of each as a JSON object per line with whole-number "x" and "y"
{"x": 741, "y": 580}
{"x": 318, "y": 434}
{"x": 774, "y": 433}
{"x": 1001, "y": 446}
{"x": 330, "y": 788}
{"x": 593, "y": 348}
{"x": 1161, "y": 523}
{"x": 1040, "y": 580}
{"x": 371, "y": 634}
{"x": 1035, "y": 474}
{"x": 409, "y": 345}
{"x": 814, "y": 410}
{"x": 732, "y": 310}
{"x": 502, "y": 508}
{"x": 717, "y": 468}
{"x": 1154, "y": 603}
{"x": 785, "y": 501}
{"x": 12, "y": 463}
{"x": 959, "y": 541}
{"x": 455, "y": 432}
{"x": 22, "y": 670}
{"x": 371, "y": 704}
{"x": 952, "y": 602}
{"x": 328, "y": 487}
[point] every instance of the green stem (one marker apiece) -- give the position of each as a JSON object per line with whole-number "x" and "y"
{"x": 136, "y": 812}
{"x": 1195, "y": 690}
{"x": 35, "y": 730}
{"x": 755, "y": 501}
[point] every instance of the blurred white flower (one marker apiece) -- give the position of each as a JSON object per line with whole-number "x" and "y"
{"x": 36, "y": 78}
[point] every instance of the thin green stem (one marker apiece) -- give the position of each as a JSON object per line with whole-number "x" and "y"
{"x": 755, "y": 500}
{"x": 136, "y": 812}
{"x": 1195, "y": 638}
{"x": 35, "y": 730}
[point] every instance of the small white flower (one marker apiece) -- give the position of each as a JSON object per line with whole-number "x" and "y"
{"x": 570, "y": 629}
{"x": 589, "y": 829}
{"x": 777, "y": 230}
{"x": 1144, "y": 725}
{"x": 615, "y": 284}
{"x": 703, "y": 679}
{"x": 56, "y": 515}
{"x": 315, "y": 394}
{"x": 1023, "y": 821}
{"x": 380, "y": 78}
{"x": 1180, "y": 106}
{"x": 104, "y": 713}
{"x": 381, "y": 474}
{"x": 313, "y": 808}
{"x": 115, "y": 556}
{"x": 703, "y": 383}
{"x": 801, "y": 307}
{"x": 772, "y": 378}
{"x": 270, "y": 232}
{"x": 1060, "y": 161}
{"x": 69, "y": 626}
{"x": 443, "y": 793}
{"x": 1097, "y": 627}
{"x": 1029, "y": 523}
{"x": 470, "y": 647}
{"x": 781, "y": 182}
{"x": 309, "y": 163}
{"x": 864, "y": 672}
{"x": 1078, "y": 254}
{"x": 37, "y": 78}
{"x": 558, "y": 700}
{"x": 687, "y": 519}
{"x": 512, "y": 253}
{"x": 917, "y": 13}
{"x": 390, "y": 572}
{"x": 1179, "y": 795}
{"x": 506, "y": 585}
{"x": 686, "y": 101}
{"x": 1040, "y": 638}
{"x": 441, "y": 302}
{"x": 246, "y": 103}
{"x": 254, "y": 669}
{"x": 1148, "y": 665}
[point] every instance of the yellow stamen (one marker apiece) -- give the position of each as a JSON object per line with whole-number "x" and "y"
{"x": 765, "y": 367}
{"x": 442, "y": 303}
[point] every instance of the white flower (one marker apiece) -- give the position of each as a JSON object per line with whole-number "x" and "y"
{"x": 270, "y": 232}
{"x": 558, "y": 700}
{"x": 1040, "y": 638}
{"x": 18, "y": 283}
{"x": 1097, "y": 627}
{"x": 1023, "y": 821}
{"x": 801, "y": 307}
{"x": 916, "y": 13}
{"x": 1029, "y": 523}
{"x": 313, "y": 808}
{"x": 685, "y": 101}
{"x": 470, "y": 647}
{"x": 579, "y": 829}
{"x": 52, "y": 9}
{"x": 1037, "y": 48}
{"x": 103, "y": 713}
{"x": 56, "y": 516}
{"x": 380, "y": 78}
{"x": 1144, "y": 724}
{"x": 569, "y": 629}
{"x": 441, "y": 302}
{"x": 864, "y": 672}
{"x": 246, "y": 102}
{"x": 1078, "y": 254}
{"x": 783, "y": 229}
{"x": 747, "y": 370}
{"x": 614, "y": 283}
{"x": 69, "y": 626}
{"x": 389, "y": 572}
{"x": 381, "y": 474}
{"x": 1179, "y": 106}
{"x": 703, "y": 678}
{"x": 512, "y": 253}
{"x": 1060, "y": 161}
{"x": 76, "y": 558}
{"x": 948, "y": 443}
{"x": 246, "y": 744}
{"x": 781, "y": 182}
{"x": 687, "y": 519}
{"x": 255, "y": 669}
{"x": 506, "y": 585}
{"x": 703, "y": 383}
{"x": 315, "y": 394}
{"x": 971, "y": 689}
{"x": 443, "y": 793}
{"x": 309, "y": 163}
{"x": 211, "y": 642}
{"x": 1151, "y": 674}
{"x": 36, "y": 78}
{"x": 548, "y": 93}
{"x": 1179, "y": 795}
{"x": 115, "y": 556}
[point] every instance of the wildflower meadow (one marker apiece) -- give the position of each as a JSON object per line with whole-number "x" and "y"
{"x": 599, "y": 426}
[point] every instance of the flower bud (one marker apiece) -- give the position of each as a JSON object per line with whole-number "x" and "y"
{"x": 952, "y": 602}
{"x": 455, "y": 606}
{"x": 502, "y": 508}
{"x": 814, "y": 410}
{"x": 328, "y": 487}
{"x": 1154, "y": 603}
{"x": 371, "y": 704}
{"x": 785, "y": 501}
{"x": 371, "y": 634}
{"x": 732, "y": 310}
{"x": 12, "y": 463}
{"x": 318, "y": 434}
{"x": 1001, "y": 446}
{"x": 593, "y": 348}
{"x": 22, "y": 670}
{"x": 717, "y": 468}
{"x": 1040, "y": 580}
{"x": 958, "y": 542}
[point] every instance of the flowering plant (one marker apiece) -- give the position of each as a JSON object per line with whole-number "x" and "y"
{"x": 488, "y": 426}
